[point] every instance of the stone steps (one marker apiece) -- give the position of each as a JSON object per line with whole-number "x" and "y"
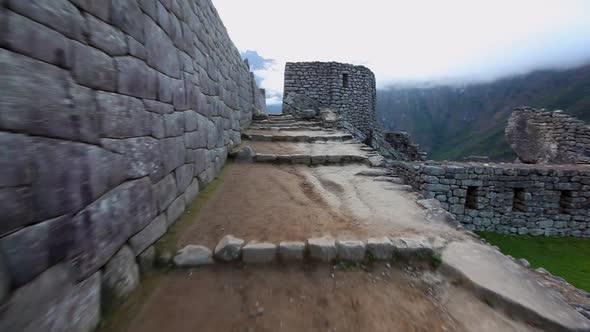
{"x": 325, "y": 249}
{"x": 306, "y": 159}
{"x": 296, "y": 138}
{"x": 288, "y": 128}
{"x": 287, "y": 124}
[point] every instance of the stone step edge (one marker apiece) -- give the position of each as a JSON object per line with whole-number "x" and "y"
{"x": 305, "y": 159}
{"x": 286, "y": 128}
{"x": 301, "y": 138}
{"x": 322, "y": 249}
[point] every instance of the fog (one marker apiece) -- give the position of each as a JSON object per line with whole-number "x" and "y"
{"x": 402, "y": 41}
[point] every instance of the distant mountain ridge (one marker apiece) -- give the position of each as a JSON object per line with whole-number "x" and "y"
{"x": 451, "y": 122}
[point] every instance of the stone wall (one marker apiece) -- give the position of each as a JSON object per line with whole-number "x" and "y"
{"x": 508, "y": 198}
{"x": 344, "y": 88}
{"x": 350, "y": 92}
{"x": 539, "y": 136}
{"x": 114, "y": 114}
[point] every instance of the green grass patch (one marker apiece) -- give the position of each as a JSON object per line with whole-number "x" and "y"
{"x": 566, "y": 257}
{"x": 169, "y": 241}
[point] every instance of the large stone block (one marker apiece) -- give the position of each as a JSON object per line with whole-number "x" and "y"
{"x": 149, "y": 235}
{"x": 105, "y": 225}
{"x": 173, "y": 152}
{"x": 53, "y": 303}
{"x": 120, "y": 278}
{"x": 33, "y": 249}
{"x": 175, "y": 210}
{"x": 149, "y": 7}
{"x": 15, "y": 160}
{"x": 184, "y": 175}
{"x": 193, "y": 256}
{"x": 106, "y": 37}
{"x": 35, "y": 40}
{"x": 162, "y": 55}
{"x": 71, "y": 175}
{"x": 229, "y": 248}
{"x": 259, "y": 253}
{"x": 174, "y": 124}
{"x": 5, "y": 281}
{"x": 94, "y": 68}
{"x": 98, "y": 8}
{"x": 136, "y": 78}
{"x": 123, "y": 116}
{"x": 165, "y": 192}
{"x": 351, "y": 250}
{"x": 158, "y": 107}
{"x": 323, "y": 249}
{"x": 60, "y": 15}
{"x": 199, "y": 159}
{"x": 292, "y": 250}
{"x": 41, "y": 99}
{"x": 380, "y": 248}
{"x": 142, "y": 155}
{"x": 17, "y": 206}
{"x": 127, "y": 15}
{"x": 192, "y": 191}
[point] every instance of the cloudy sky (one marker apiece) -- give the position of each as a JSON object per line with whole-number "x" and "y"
{"x": 418, "y": 40}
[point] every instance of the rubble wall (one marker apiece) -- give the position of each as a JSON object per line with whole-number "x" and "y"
{"x": 539, "y": 136}
{"x": 114, "y": 114}
{"x": 508, "y": 198}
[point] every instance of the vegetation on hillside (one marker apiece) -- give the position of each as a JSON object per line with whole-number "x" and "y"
{"x": 451, "y": 122}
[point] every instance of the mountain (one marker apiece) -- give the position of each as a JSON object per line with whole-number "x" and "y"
{"x": 451, "y": 122}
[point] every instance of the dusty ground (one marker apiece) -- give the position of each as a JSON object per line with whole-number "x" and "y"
{"x": 294, "y": 203}
{"x": 285, "y": 206}
{"x": 309, "y": 298}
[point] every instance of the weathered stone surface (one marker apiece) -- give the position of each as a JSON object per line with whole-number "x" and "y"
{"x": 173, "y": 152}
{"x": 193, "y": 256}
{"x": 142, "y": 155}
{"x": 229, "y": 248}
{"x": 184, "y": 176}
{"x": 191, "y": 193}
{"x": 35, "y": 40}
{"x": 259, "y": 253}
{"x": 106, "y": 37}
{"x": 123, "y": 116}
{"x": 158, "y": 107}
{"x": 265, "y": 157}
{"x": 161, "y": 53}
{"x": 417, "y": 247}
{"x": 174, "y": 124}
{"x": 15, "y": 160}
{"x": 380, "y": 248}
{"x": 41, "y": 99}
{"x": 136, "y": 48}
{"x": 98, "y": 8}
{"x": 147, "y": 260}
{"x": 52, "y": 302}
{"x": 135, "y": 78}
{"x": 5, "y": 281}
{"x": 149, "y": 235}
{"x": 165, "y": 191}
{"x": 60, "y": 15}
{"x": 120, "y": 277}
{"x": 33, "y": 249}
{"x": 93, "y": 68}
{"x": 175, "y": 210}
{"x": 292, "y": 250}
{"x": 199, "y": 159}
{"x": 196, "y": 139}
{"x": 323, "y": 249}
{"x": 245, "y": 155}
{"x": 351, "y": 250}
{"x": 104, "y": 226}
{"x": 71, "y": 175}
{"x": 149, "y": 7}
{"x": 128, "y": 17}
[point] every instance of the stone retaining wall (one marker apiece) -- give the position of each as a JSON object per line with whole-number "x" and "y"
{"x": 508, "y": 198}
{"x": 539, "y": 136}
{"x": 114, "y": 114}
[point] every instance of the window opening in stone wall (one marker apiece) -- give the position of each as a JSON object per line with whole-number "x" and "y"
{"x": 565, "y": 201}
{"x": 345, "y": 80}
{"x": 518, "y": 200}
{"x": 471, "y": 198}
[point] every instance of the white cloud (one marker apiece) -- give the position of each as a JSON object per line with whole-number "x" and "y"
{"x": 413, "y": 40}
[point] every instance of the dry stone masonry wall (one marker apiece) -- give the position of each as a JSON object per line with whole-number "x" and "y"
{"x": 114, "y": 114}
{"x": 519, "y": 199}
{"x": 314, "y": 88}
{"x": 539, "y": 136}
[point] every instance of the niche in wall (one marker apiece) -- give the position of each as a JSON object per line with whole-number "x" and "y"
{"x": 345, "y": 80}
{"x": 518, "y": 200}
{"x": 471, "y": 199}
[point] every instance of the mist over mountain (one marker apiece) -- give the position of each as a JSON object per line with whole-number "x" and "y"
{"x": 454, "y": 121}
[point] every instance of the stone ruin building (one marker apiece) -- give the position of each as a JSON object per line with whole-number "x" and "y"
{"x": 549, "y": 199}
{"x": 114, "y": 115}
{"x": 348, "y": 93}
